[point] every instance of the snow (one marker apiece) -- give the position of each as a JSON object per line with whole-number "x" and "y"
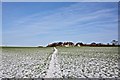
{"x": 54, "y": 68}
{"x": 61, "y": 63}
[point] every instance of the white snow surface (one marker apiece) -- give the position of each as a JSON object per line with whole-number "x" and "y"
{"x": 54, "y": 67}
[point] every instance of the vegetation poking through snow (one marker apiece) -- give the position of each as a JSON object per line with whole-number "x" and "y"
{"x": 74, "y": 62}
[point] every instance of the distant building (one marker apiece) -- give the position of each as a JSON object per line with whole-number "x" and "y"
{"x": 68, "y": 44}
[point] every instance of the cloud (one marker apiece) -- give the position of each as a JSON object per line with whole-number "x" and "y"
{"x": 63, "y": 23}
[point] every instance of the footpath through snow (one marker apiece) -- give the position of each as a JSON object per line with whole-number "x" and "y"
{"x": 54, "y": 67}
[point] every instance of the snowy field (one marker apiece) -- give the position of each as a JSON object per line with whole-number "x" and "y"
{"x": 25, "y": 62}
{"x": 73, "y": 62}
{"x": 89, "y": 62}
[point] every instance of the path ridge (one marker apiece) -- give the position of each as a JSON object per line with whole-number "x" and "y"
{"x": 54, "y": 67}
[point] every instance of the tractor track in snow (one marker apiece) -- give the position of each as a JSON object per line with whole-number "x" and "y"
{"x": 54, "y": 67}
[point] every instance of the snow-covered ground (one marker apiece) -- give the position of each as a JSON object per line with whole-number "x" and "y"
{"x": 54, "y": 66}
{"x": 25, "y": 62}
{"x": 73, "y": 62}
{"x": 91, "y": 62}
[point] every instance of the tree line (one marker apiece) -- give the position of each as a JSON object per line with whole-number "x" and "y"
{"x": 71, "y": 44}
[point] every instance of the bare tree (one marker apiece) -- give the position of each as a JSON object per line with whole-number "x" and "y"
{"x": 114, "y": 42}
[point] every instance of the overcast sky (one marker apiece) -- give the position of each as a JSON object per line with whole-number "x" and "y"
{"x": 40, "y": 23}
